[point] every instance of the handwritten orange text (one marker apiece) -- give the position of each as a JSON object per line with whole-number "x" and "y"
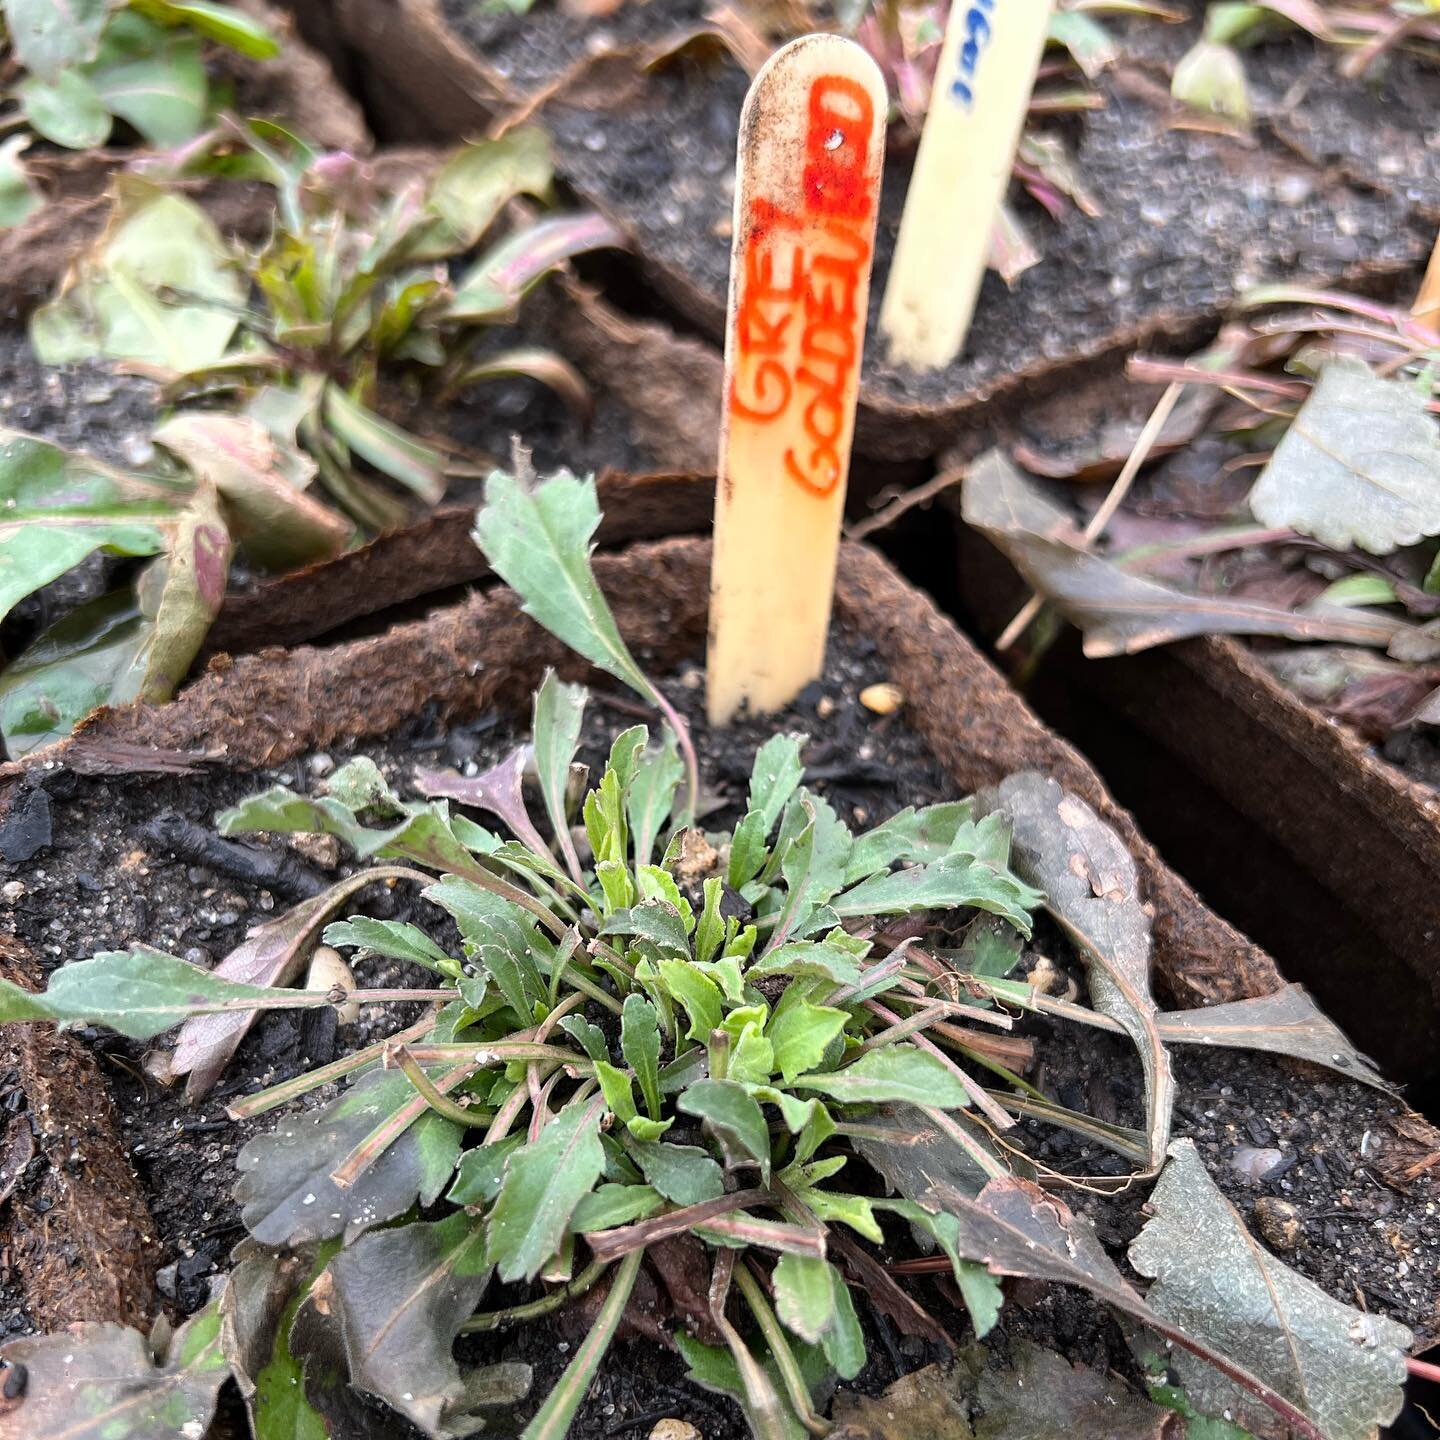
{"x": 798, "y": 324}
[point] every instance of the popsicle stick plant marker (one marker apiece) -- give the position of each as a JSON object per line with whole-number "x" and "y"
{"x": 806, "y": 192}
{"x": 977, "y": 108}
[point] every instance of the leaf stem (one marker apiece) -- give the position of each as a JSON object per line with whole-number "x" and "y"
{"x": 687, "y": 751}
{"x": 276, "y": 1095}
{"x": 441, "y": 1104}
{"x": 552, "y": 1420}
{"x": 534, "y": 1309}
{"x": 785, "y": 1362}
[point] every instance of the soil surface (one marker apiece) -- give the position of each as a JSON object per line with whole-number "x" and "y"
{"x": 1154, "y": 261}
{"x": 121, "y": 865}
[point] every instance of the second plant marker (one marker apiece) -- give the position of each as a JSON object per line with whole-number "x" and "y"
{"x": 982, "y": 90}
{"x": 807, "y": 188}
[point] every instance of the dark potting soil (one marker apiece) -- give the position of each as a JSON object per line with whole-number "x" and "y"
{"x": 485, "y": 418}
{"x": 1188, "y": 219}
{"x": 87, "y": 407}
{"x": 119, "y": 869}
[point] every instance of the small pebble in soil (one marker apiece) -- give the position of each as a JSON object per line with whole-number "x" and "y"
{"x": 1255, "y": 1164}
{"x": 883, "y": 699}
{"x": 1279, "y": 1223}
{"x": 674, "y": 1430}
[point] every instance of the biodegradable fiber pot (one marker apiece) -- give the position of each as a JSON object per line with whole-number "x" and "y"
{"x": 263, "y": 708}
{"x": 643, "y": 103}
{"x": 1287, "y": 821}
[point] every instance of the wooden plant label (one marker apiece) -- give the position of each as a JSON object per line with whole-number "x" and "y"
{"x": 977, "y": 108}
{"x": 807, "y": 187}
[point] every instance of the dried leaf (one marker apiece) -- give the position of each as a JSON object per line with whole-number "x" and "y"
{"x": 1343, "y": 1367}
{"x": 402, "y": 1296}
{"x": 1119, "y": 612}
{"x": 270, "y": 954}
{"x": 1016, "y": 1229}
{"x": 1359, "y": 465}
{"x": 101, "y": 1382}
{"x": 1039, "y": 1396}
{"x": 1092, "y": 889}
{"x": 1289, "y": 1022}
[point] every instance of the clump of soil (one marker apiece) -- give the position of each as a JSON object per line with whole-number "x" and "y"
{"x": 121, "y": 867}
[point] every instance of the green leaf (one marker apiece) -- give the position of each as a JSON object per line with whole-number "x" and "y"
{"x": 66, "y": 111}
{"x": 612, "y": 1205}
{"x": 57, "y": 507}
{"x": 947, "y": 884}
{"x": 231, "y": 27}
{"x": 558, "y": 714}
{"x": 1211, "y": 77}
{"x": 809, "y": 960}
{"x": 543, "y": 1184}
{"x": 752, "y": 1057}
{"x": 286, "y": 1193}
{"x": 640, "y": 1045}
{"x": 710, "y": 928}
{"x": 68, "y": 671}
{"x": 919, "y": 835}
{"x": 893, "y": 1073}
{"x": 151, "y": 78}
{"x": 18, "y": 197}
{"x": 101, "y": 1381}
{"x": 836, "y": 1208}
{"x": 800, "y": 1033}
{"x": 493, "y": 287}
{"x": 652, "y": 795}
{"x": 472, "y": 187}
{"x": 748, "y": 850}
{"x": 697, "y": 993}
{"x": 980, "y": 1290}
{"x": 402, "y": 1296}
{"x": 139, "y": 992}
{"x": 481, "y": 1170}
{"x": 655, "y": 920}
{"x": 683, "y": 1174}
{"x": 776, "y": 773}
{"x": 538, "y": 540}
{"x": 805, "y": 1295}
{"x": 814, "y": 865}
{"x": 590, "y": 1037}
{"x": 50, "y": 36}
{"x": 394, "y": 939}
{"x": 395, "y": 452}
{"x": 1359, "y": 465}
{"x": 844, "y": 1341}
{"x": 618, "y": 1090}
{"x": 734, "y": 1116}
{"x": 114, "y": 303}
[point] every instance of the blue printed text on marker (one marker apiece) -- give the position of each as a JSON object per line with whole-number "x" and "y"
{"x": 977, "y": 36}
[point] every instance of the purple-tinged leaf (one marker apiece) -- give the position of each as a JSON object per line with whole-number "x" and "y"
{"x": 492, "y": 288}
{"x": 500, "y": 790}
{"x": 530, "y": 363}
{"x": 402, "y": 1296}
{"x": 280, "y": 526}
